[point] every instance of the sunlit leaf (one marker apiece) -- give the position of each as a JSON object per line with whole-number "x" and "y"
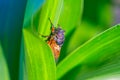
{"x": 106, "y": 72}
{"x": 71, "y": 14}
{"x": 83, "y": 33}
{"x": 4, "y": 74}
{"x": 50, "y": 9}
{"x": 37, "y": 16}
{"x": 38, "y": 58}
{"x": 95, "y": 51}
{"x": 70, "y": 18}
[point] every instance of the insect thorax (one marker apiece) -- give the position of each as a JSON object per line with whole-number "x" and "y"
{"x": 59, "y": 36}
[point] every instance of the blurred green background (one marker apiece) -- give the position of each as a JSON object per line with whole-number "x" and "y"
{"x": 81, "y": 19}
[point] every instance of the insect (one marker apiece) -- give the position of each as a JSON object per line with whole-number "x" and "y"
{"x": 56, "y": 39}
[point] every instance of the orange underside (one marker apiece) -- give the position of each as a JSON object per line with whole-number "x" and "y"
{"x": 55, "y": 48}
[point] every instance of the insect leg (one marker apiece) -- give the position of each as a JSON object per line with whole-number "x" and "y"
{"x": 44, "y": 36}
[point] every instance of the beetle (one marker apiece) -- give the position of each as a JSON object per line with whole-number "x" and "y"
{"x": 56, "y": 39}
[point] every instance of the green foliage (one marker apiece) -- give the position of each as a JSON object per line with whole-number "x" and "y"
{"x": 93, "y": 52}
{"x": 39, "y": 19}
{"x": 4, "y": 74}
{"x": 70, "y": 19}
{"x": 91, "y": 49}
{"x": 71, "y": 15}
{"x": 38, "y": 59}
{"x": 51, "y": 9}
{"x": 110, "y": 70}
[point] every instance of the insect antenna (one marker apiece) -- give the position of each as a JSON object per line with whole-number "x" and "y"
{"x": 50, "y": 21}
{"x": 52, "y": 26}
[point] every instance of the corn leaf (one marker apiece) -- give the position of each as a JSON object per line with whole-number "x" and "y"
{"x": 37, "y": 18}
{"x": 94, "y": 52}
{"x": 70, "y": 18}
{"x": 38, "y": 61}
{"x": 71, "y": 14}
{"x": 4, "y": 74}
{"x": 50, "y": 9}
{"x": 106, "y": 72}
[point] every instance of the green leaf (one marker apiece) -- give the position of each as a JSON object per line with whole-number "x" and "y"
{"x": 4, "y": 74}
{"x": 31, "y": 8}
{"x": 38, "y": 61}
{"x": 38, "y": 58}
{"x": 95, "y": 51}
{"x": 82, "y": 33}
{"x": 71, "y": 14}
{"x": 39, "y": 17}
{"x": 50, "y": 9}
{"x": 70, "y": 18}
{"x": 106, "y": 72}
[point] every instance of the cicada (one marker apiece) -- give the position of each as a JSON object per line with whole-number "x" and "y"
{"x": 56, "y": 39}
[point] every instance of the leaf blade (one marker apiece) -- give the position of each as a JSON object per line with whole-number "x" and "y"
{"x": 70, "y": 18}
{"x": 71, "y": 11}
{"x": 51, "y": 9}
{"x": 4, "y": 74}
{"x": 31, "y": 8}
{"x": 39, "y": 60}
{"x": 83, "y": 54}
{"x": 109, "y": 71}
